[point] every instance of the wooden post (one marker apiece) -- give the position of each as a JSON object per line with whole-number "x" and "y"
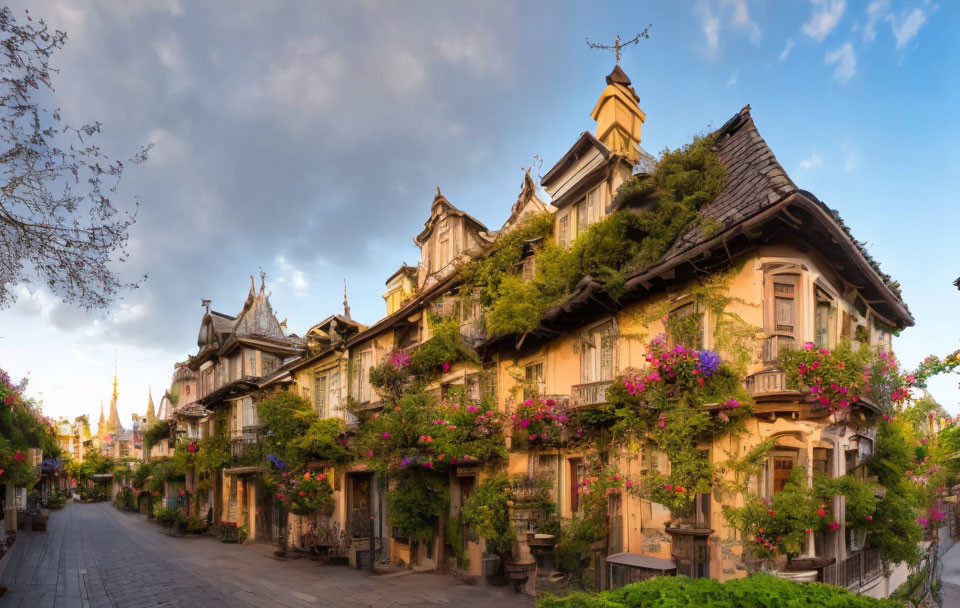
{"x": 373, "y": 543}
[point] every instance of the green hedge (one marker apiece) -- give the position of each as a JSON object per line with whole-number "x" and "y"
{"x": 760, "y": 590}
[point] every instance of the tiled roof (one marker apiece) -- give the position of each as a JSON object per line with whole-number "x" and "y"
{"x": 755, "y": 180}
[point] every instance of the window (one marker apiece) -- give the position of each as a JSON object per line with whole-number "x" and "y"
{"x": 597, "y": 354}
{"x": 582, "y": 220}
{"x": 366, "y": 359}
{"x": 577, "y": 473}
{"x": 821, "y": 320}
{"x": 781, "y": 312}
{"x": 563, "y": 231}
{"x": 320, "y": 394}
{"x": 533, "y": 381}
{"x": 251, "y": 363}
{"x": 822, "y": 461}
{"x": 248, "y": 413}
{"x": 685, "y": 326}
{"x": 649, "y": 457}
{"x": 593, "y": 206}
{"x": 269, "y": 363}
{"x": 444, "y": 252}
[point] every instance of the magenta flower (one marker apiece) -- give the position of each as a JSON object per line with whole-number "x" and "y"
{"x": 446, "y": 366}
{"x": 732, "y": 403}
{"x": 385, "y": 435}
{"x": 662, "y": 422}
{"x": 833, "y": 525}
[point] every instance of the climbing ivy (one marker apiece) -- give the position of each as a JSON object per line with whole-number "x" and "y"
{"x": 608, "y": 251}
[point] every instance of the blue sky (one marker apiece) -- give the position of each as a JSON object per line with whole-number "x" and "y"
{"x": 307, "y": 140}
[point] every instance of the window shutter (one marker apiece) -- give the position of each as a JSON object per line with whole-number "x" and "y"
{"x": 564, "y": 230}
{"x": 581, "y": 218}
{"x": 606, "y": 354}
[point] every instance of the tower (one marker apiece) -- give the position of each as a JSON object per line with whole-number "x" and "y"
{"x": 619, "y": 116}
{"x": 151, "y": 409}
{"x": 113, "y": 422}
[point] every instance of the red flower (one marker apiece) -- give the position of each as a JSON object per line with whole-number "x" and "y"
{"x": 19, "y": 456}
{"x": 302, "y": 493}
{"x": 821, "y": 512}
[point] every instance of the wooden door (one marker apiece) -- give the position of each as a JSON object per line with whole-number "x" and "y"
{"x": 360, "y": 506}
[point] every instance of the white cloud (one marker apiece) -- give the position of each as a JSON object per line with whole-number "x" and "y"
{"x": 812, "y": 162}
{"x": 851, "y": 157}
{"x": 733, "y": 78}
{"x": 906, "y": 28}
{"x": 824, "y": 19}
{"x": 846, "y": 63}
{"x": 786, "y": 49}
{"x": 404, "y": 72}
{"x": 308, "y": 79}
{"x": 741, "y": 19}
{"x": 168, "y": 52}
{"x": 476, "y": 49}
{"x": 710, "y": 24}
{"x": 168, "y": 149}
{"x": 875, "y": 11}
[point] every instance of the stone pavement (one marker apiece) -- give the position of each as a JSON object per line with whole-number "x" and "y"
{"x": 951, "y": 577}
{"x": 94, "y": 556}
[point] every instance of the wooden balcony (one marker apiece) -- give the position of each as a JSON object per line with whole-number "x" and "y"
{"x": 860, "y": 568}
{"x": 771, "y": 347}
{"x": 767, "y": 382}
{"x": 591, "y": 393}
{"x": 246, "y": 443}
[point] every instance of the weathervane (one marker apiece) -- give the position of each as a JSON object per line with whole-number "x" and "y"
{"x": 617, "y": 45}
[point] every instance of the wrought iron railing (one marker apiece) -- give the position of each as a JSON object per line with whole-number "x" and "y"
{"x": 591, "y": 393}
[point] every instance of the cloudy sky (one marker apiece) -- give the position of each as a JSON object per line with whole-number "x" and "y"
{"x": 307, "y": 139}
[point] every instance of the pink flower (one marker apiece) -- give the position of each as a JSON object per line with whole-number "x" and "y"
{"x": 19, "y": 456}
{"x": 667, "y": 487}
{"x": 833, "y": 525}
{"x": 662, "y": 422}
{"x": 922, "y": 521}
{"x": 771, "y": 512}
{"x": 808, "y": 346}
{"x": 821, "y": 512}
{"x": 428, "y": 465}
{"x": 446, "y": 366}
{"x": 385, "y": 435}
{"x": 869, "y": 517}
{"x": 808, "y": 531}
{"x": 732, "y": 403}
{"x": 369, "y": 453}
{"x": 533, "y": 437}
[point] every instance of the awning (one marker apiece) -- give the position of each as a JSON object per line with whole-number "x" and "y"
{"x": 636, "y": 560}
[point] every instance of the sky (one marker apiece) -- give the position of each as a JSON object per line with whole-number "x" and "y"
{"x": 307, "y": 140}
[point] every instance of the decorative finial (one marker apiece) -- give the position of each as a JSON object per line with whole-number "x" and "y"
{"x": 346, "y": 307}
{"x": 617, "y": 46}
{"x": 263, "y": 280}
{"x": 205, "y": 304}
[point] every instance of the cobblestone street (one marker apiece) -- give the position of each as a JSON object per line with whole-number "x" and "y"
{"x": 93, "y": 555}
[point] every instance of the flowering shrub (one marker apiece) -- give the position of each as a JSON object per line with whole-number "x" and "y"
{"x": 683, "y": 398}
{"x": 305, "y": 495}
{"x": 538, "y": 422}
{"x": 487, "y": 512}
{"x": 779, "y": 526}
{"x": 838, "y": 378}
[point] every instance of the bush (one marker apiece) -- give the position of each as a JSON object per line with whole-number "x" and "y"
{"x": 194, "y": 525}
{"x": 125, "y": 500}
{"x": 56, "y": 502}
{"x": 760, "y": 590}
{"x": 167, "y": 515}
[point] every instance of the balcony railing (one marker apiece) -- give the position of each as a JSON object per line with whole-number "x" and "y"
{"x": 767, "y": 382}
{"x": 245, "y": 443}
{"x": 772, "y": 346}
{"x": 591, "y": 393}
{"x": 861, "y": 568}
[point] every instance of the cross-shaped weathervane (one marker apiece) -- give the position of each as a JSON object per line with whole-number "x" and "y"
{"x": 617, "y": 45}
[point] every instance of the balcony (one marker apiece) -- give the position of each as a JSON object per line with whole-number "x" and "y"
{"x": 771, "y": 348}
{"x": 245, "y": 444}
{"x": 860, "y": 568}
{"x": 591, "y": 393}
{"x": 767, "y": 382}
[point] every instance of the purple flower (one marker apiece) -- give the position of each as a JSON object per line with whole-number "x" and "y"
{"x": 709, "y": 362}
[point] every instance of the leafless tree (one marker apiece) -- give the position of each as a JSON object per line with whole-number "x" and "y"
{"x": 58, "y": 224}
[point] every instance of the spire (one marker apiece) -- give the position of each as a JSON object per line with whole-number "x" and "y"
{"x": 618, "y": 115}
{"x": 113, "y": 422}
{"x": 100, "y": 423}
{"x": 151, "y": 409}
{"x": 346, "y": 307}
{"x": 114, "y": 376}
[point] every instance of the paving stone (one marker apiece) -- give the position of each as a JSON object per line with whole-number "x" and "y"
{"x": 93, "y": 556}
